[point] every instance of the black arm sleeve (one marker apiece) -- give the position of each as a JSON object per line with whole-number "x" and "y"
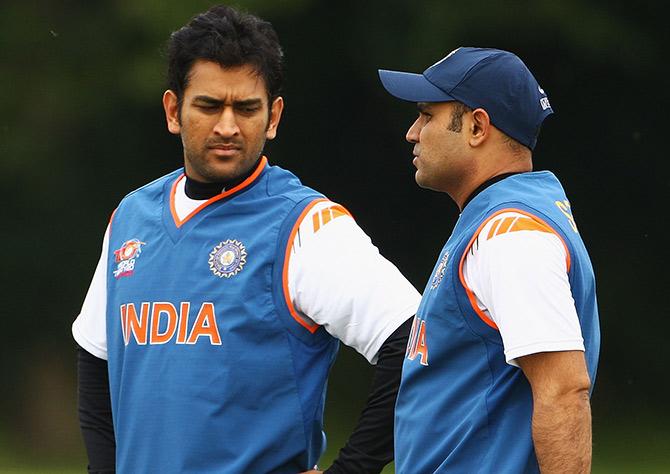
{"x": 95, "y": 413}
{"x": 370, "y": 446}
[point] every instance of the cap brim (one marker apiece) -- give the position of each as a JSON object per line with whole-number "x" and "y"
{"x": 412, "y": 87}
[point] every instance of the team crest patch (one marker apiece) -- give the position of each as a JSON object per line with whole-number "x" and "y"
{"x": 439, "y": 272}
{"x": 227, "y": 258}
{"x": 126, "y": 256}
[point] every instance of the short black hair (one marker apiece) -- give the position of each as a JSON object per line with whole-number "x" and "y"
{"x": 230, "y": 38}
{"x": 456, "y": 124}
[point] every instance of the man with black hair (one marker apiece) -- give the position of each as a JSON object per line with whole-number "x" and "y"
{"x": 223, "y": 288}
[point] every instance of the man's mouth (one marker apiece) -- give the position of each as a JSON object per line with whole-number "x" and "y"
{"x": 224, "y": 149}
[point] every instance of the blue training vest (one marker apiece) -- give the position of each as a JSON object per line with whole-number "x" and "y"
{"x": 209, "y": 372}
{"x": 461, "y": 408}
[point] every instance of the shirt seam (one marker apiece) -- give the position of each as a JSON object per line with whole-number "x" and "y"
{"x": 393, "y": 324}
{"x": 549, "y": 346}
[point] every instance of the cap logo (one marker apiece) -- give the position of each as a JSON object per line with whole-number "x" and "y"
{"x": 544, "y": 103}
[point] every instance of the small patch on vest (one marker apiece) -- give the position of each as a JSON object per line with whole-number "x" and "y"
{"x": 126, "y": 256}
{"x": 227, "y": 258}
{"x": 439, "y": 272}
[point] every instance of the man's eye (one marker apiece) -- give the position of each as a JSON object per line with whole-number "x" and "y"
{"x": 207, "y": 107}
{"x": 249, "y": 110}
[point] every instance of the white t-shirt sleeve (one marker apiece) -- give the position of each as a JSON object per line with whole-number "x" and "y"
{"x": 338, "y": 279}
{"x": 89, "y": 329}
{"x": 517, "y": 271}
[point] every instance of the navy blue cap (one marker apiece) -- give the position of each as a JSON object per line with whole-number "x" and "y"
{"x": 492, "y": 79}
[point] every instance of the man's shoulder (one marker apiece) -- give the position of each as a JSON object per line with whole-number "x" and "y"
{"x": 535, "y": 192}
{"x": 532, "y": 181}
{"x": 284, "y": 183}
{"x": 155, "y": 187}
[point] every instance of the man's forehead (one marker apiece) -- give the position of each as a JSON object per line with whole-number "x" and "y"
{"x": 231, "y": 83}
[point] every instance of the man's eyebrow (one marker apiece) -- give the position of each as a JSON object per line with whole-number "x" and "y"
{"x": 423, "y": 107}
{"x": 207, "y": 99}
{"x": 248, "y": 102}
{"x": 237, "y": 103}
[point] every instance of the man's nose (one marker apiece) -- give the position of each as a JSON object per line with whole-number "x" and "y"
{"x": 412, "y": 135}
{"x": 227, "y": 123}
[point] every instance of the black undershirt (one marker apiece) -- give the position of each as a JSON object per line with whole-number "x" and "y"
{"x": 95, "y": 413}
{"x": 370, "y": 445}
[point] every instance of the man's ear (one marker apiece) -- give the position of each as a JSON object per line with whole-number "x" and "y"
{"x": 276, "y": 109}
{"x": 171, "y": 107}
{"x": 479, "y": 127}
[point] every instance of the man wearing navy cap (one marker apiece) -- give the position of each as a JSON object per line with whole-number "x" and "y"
{"x": 503, "y": 351}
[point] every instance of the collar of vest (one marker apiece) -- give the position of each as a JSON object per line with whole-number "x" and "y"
{"x": 201, "y": 191}
{"x": 251, "y": 179}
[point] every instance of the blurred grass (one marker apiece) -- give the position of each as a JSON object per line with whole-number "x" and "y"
{"x": 632, "y": 448}
{"x": 619, "y": 448}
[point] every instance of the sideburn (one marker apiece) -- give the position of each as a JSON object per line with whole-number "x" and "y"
{"x": 456, "y": 124}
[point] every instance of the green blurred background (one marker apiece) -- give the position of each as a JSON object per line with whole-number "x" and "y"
{"x": 81, "y": 83}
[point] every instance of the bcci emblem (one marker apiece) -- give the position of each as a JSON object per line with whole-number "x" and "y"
{"x": 439, "y": 271}
{"x": 228, "y": 258}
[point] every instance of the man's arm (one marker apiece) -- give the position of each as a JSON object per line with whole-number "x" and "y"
{"x": 561, "y": 423}
{"x": 369, "y": 310}
{"x": 95, "y": 413}
{"x": 370, "y": 446}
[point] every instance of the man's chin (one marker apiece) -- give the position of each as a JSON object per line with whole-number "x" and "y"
{"x": 213, "y": 174}
{"x": 210, "y": 168}
{"x": 424, "y": 183}
{"x": 421, "y": 180}
{"x": 231, "y": 170}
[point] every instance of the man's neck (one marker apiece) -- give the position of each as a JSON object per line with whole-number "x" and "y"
{"x": 199, "y": 190}
{"x": 492, "y": 164}
{"x": 485, "y": 185}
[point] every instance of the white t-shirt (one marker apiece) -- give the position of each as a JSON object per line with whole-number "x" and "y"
{"x": 517, "y": 269}
{"x": 361, "y": 308}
